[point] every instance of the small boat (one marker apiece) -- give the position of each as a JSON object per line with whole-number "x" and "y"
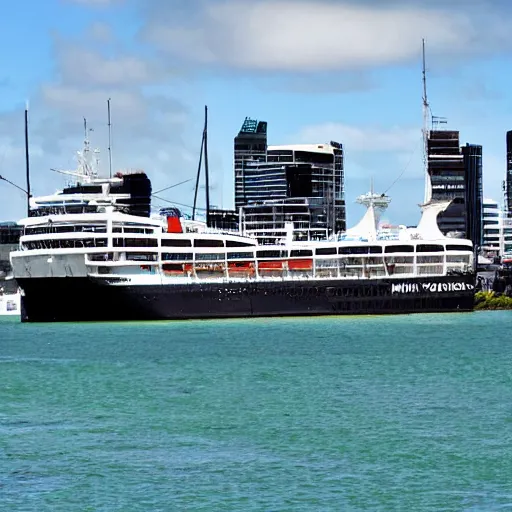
{"x": 10, "y": 303}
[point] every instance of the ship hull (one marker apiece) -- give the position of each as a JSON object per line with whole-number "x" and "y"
{"x": 89, "y": 299}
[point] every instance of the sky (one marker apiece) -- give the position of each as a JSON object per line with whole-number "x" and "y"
{"x": 315, "y": 70}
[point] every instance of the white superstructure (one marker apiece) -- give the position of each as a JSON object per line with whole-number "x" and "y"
{"x": 166, "y": 249}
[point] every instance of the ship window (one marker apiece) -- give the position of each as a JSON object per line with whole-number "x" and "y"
{"x": 353, "y": 250}
{"x": 140, "y": 242}
{"x": 117, "y": 230}
{"x": 399, "y": 248}
{"x": 198, "y": 242}
{"x": 271, "y": 254}
{"x": 459, "y": 248}
{"x": 326, "y": 251}
{"x": 301, "y": 253}
{"x": 236, "y": 243}
{"x": 176, "y": 242}
{"x": 209, "y": 256}
{"x": 36, "y": 231}
{"x": 64, "y": 229}
{"x": 429, "y": 248}
{"x": 375, "y": 249}
{"x": 240, "y": 255}
{"x": 134, "y": 230}
{"x": 141, "y": 256}
{"x": 176, "y": 256}
{"x": 91, "y": 229}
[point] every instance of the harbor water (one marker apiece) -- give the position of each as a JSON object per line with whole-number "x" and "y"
{"x": 394, "y": 413}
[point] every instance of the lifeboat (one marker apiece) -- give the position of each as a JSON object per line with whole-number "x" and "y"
{"x": 270, "y": 265}
{"x": 306, "y": 264}
{"x": 172, "y": 268}
{"x": 241, "y": 267}
{"x": 209, "y": 267}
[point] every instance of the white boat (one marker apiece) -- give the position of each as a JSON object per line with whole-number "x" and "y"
{"x": 10, "y": 304}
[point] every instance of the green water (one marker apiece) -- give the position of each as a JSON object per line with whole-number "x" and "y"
{"x": 398, "y": 413}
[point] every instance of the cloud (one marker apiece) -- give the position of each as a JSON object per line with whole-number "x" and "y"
{"x": 151, "y": 127}
{"x": 100, "y": 32}
{"x": 286, "y": 35}
{"x": 80, "y": 65}
{"x": 322, "y": 83}
{"x": 363, "y": 139}
{"x": 76, "y": 100}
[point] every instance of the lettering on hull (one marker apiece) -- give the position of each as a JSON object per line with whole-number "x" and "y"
{"x": 431, "y": 287}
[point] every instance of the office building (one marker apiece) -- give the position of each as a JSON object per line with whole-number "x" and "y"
{"x": 302, "y": 185}
{"x": 250, "y": 145}
{"x": 508, "y": 177}
{"x": 446, "y": 171}
{"x": 492, "y": 225}
{"x": 456, "y": 175}
{"x": 472, "y": 158}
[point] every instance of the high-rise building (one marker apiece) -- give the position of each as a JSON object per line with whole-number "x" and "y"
{"x": 456, "y": 175}
{"x": 250, "y": 146}
{"x": 303, "y": 182}
{"x": 508, "y": 177}
{"x": 492, "y": 227}
{"x": 447, "y": 176}
{"x": 472, "y": 157}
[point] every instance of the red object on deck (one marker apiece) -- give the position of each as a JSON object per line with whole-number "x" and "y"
{"x": 241, "y": 266}
{"x": 174, "y": 225}
{"x": 270, "y": 265}
{"x": 300, "y": 264}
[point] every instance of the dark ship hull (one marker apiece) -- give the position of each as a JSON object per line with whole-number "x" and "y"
{"x": 89, "y": 299}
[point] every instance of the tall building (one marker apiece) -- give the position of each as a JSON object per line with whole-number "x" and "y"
{"x": 250, "y": 146}
{"x": 472, "y": 157}
{"x": 492, "y": 227}
{"x": 301, "y": 184}
{"x": 275, "y": 186}
{"x": 508, "y": 177}
{"x": 447, "y": 176}
{"x": 456, "y": 175}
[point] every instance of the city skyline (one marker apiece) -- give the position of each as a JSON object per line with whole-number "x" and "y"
{"x": 355, "y": 78}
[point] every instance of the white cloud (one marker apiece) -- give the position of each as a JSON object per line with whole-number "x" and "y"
{"x": 100, "y": 32}
{"x": 361, "y": 139}
{"x": 319, "y": 35}
{"x": 79, "y": 101}
{"x": 79, "y": 65}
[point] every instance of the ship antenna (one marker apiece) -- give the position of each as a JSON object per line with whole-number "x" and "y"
{"x": 27, "y": 160}
{"x": 198, "y": 175}
{"x": 109, "y": 140}
{"x": 426, "y": 111}
{"x": 204, "y": 151}
{"x": 206, "y": 172}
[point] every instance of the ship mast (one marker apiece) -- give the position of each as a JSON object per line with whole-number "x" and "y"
{"x": 27, "y": 160}
{"x": 109, "y": 124}
{"x": 203, "y": 152}
{"x": 426, "y": 117}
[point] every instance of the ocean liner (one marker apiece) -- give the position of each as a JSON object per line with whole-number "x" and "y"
{"x": 94, "y": 251}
